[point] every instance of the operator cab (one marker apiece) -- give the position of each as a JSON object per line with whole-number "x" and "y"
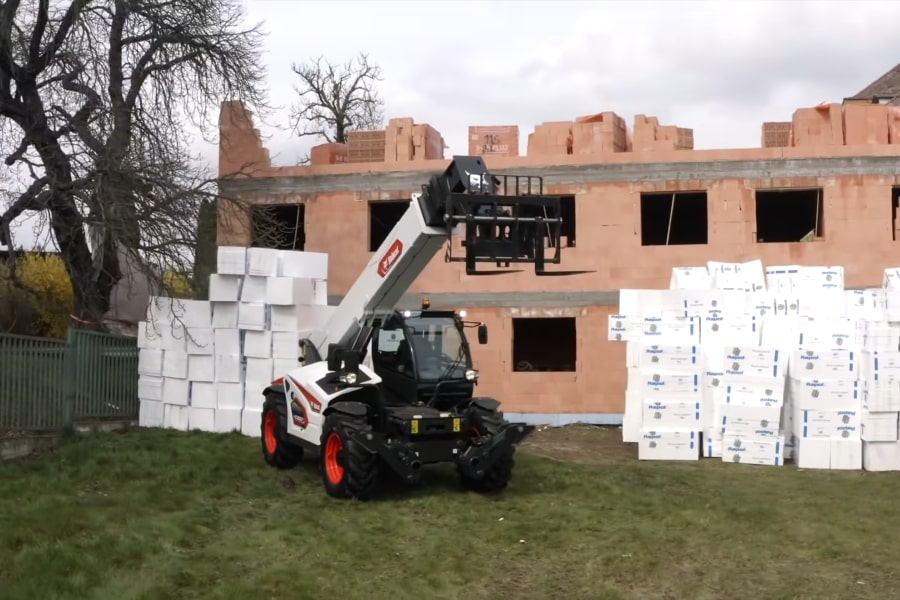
{"x": 423, "y": 357}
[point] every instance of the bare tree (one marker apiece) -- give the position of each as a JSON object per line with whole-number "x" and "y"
{"x": 334, "y": 100}
{"x": 95, "y": 100}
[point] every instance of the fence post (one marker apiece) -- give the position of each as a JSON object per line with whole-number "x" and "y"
{"x": 71, "y": 374}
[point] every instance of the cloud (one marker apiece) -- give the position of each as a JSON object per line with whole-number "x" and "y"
{"x": 721, "y": 68}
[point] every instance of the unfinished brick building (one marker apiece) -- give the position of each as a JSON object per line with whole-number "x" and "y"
{"x": 822, "y": 190}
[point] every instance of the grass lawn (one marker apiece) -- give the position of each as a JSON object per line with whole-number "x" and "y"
{"x": 163, "y": 514}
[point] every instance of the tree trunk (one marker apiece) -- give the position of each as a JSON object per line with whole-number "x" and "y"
{"x": 205, "y": 249}
{"x": 91, "y": 289}
{"x": 91, "y": 296}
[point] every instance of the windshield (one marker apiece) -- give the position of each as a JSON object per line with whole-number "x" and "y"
{"x": 438, "y": 346}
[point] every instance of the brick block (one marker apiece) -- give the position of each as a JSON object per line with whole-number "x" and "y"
{"x": 551, "y": 138}
{"x": 398, "y": 146}
{"x": 866, "y": 124}
{"x": 650, "y": 135}
{"x": 776, "y": 134}
{"x": 329, "y": 154}
{"x": 499, "y": 140}
{"x": 822, "y": 125}
{"x": 644, "y": 132}
{"x": 684, "y": 138}
{"x": 405, "y": 141}
{"x": 366, "y": 146}
{"x": 599, "y": 133}
{"x": 893, "y": 125}
{"x": 428, "y": 143}
{"x": 365, "y": 136}
{"x": 593, "y": 138}
{"x": 776, "y": 126}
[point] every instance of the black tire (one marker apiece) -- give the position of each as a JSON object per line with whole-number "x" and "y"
{"x": 278, "y": 450}
{"x": 497, "y": 478}
{"x": 348, "y": 469}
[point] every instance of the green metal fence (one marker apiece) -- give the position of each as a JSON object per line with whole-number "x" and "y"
{"x": 48, "y": 384}
{"x": 32, "y": 383}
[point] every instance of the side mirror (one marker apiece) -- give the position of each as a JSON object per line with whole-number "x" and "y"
{"x": 482, "y": 334}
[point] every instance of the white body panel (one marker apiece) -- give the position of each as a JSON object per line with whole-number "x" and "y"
{"x": 403, "y": 255}
{"x": 305, "y": 377}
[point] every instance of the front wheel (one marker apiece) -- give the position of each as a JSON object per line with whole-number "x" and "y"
{"x": 277, "y": 449}
{"x": 497, "y": 478}
{"x": 348, "y": 469}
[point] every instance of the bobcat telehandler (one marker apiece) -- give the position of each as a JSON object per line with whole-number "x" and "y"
{"x": 379, "y": 388}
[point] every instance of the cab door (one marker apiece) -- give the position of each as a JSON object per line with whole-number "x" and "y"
{"x": 393, "y": 359}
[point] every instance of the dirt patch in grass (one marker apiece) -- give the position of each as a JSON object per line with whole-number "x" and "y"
{"x": 585, "y": 444}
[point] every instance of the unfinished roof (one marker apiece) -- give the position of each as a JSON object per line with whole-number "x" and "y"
{"x": 886, "y": 87}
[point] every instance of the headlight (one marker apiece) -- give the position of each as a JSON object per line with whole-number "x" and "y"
{"x": 462, "y": 314}
{"x": 348, "y": 378}
{"x": 471, "y": 374}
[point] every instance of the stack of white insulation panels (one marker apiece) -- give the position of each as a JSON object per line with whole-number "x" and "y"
{"x": 204, "y": 364}
{"x": 760, "y": 365}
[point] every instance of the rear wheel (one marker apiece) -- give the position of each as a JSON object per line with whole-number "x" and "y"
{"x": 278, "y": 450}
{"x": 484, "y": 425}
{"x": 348, "y": 469}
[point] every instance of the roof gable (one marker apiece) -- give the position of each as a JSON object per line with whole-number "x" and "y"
{"x": 886, "y": 86}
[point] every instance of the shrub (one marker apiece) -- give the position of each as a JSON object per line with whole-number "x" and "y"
{"x": 16, "y": 308}
{"x": 51, "y": 297}
{"x": 178, "y": 285}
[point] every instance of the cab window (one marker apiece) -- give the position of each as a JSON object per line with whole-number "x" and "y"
{"x": 392, "y": 350}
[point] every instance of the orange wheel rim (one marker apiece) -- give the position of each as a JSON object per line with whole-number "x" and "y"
{"x": 333, "y": 468}
{"x": 270, "y": 424}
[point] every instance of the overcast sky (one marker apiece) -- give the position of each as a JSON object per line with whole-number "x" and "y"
{"x": 721, "y": 68}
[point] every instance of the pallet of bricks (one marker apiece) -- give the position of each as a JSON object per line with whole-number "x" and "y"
{"x": 498, "y": 140}
{"x": 204, "y": 364}
{"x": 776, "y": 134}
{"x": 757, "y": 365}
{"x": 600, "y": 133}
{"x": 650, "y": 135}
{"x": 366, "y": 146}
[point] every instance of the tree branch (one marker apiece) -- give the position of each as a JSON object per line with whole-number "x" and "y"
{"x": 37, "y": 36}
{"x": 18, "y": 153}
{"x": 331, "y": 103}
{"x": 35, "y": 198}
{"x": 69, "y": 19}
{"x": 101, "y": 93}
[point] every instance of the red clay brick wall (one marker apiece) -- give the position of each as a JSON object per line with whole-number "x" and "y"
{"x": 592, "y": 388}
{"x": 857, "y": 233}
{"x": 329, "y": 154}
